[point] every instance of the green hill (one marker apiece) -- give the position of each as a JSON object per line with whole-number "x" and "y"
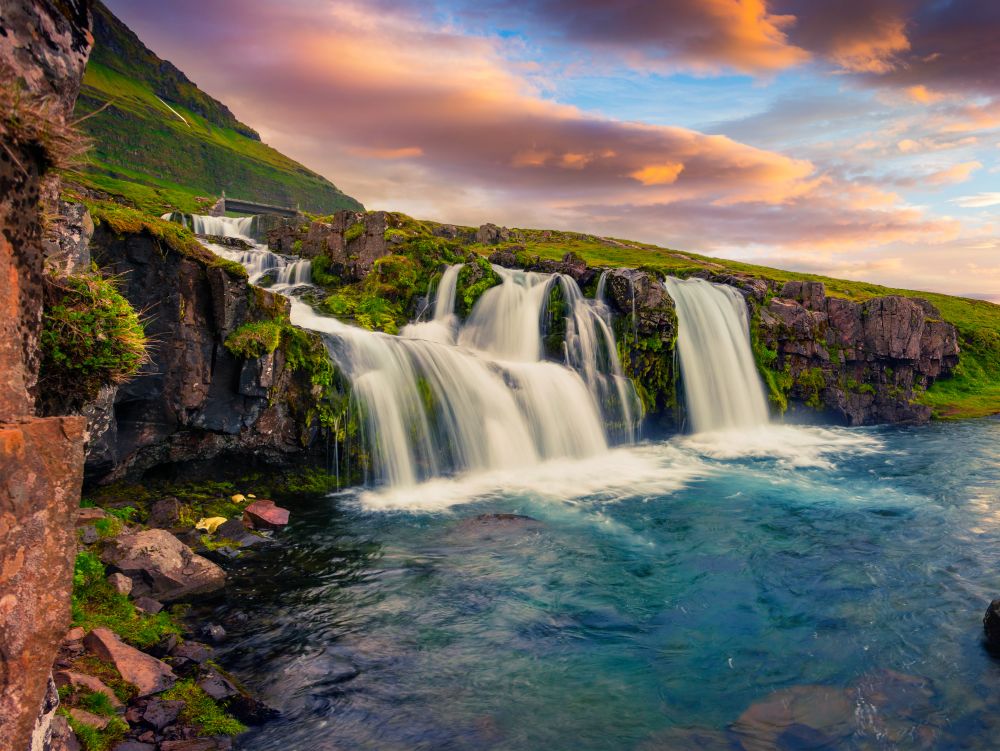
{"x": 162, "y": 142}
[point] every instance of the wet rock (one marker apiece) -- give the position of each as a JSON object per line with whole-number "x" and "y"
{"x": 237, "y": 243}
{"x": 192, "y": 651}
{"x": 491, "y": 526}
{"x": 120, "y": 583}
{"x": 218, "y": 686}
{"x": 215, "y": 633}
{"x": 163, "y": 567}
{"x": 146, "y": 673}
{"x": 236, "y": 532}
{"x": 82, "y": 680}
{"x": 89, "y": 718}
{"x": 264, "y": 514}
{"x": 991, "y": 625}
{"x": 148, "y": 605}
{"x": 818, "y": 716}
{"x": 160, "y": 713}
{"x": 165, "y": 513}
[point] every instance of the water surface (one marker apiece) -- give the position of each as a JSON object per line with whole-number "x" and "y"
{"x": 663, "y": 588}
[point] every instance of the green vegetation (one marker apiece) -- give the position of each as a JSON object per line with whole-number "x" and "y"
{"x": 201, "y": 711}
{"x": 353, "y": 232}
{"x": 474, "y": 279}
{"x": 92, "y": 739}
{"x": 123, "y": 220}
{"x": 95, "y": 604}
{"x": 91, "y": 337}
{"x": 161, "y": 143}
{"x": 254, "y": 340}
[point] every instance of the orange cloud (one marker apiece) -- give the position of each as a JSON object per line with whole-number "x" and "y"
{"x": 658, "y": 174}
{"x": 922, "y": 94}
{"x": 405, "y": 152}
{"x": 873, "y": 48}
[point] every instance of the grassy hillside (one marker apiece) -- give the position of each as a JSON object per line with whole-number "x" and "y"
{"x": 163, "y": 143}
{"x": 973, "y": 391}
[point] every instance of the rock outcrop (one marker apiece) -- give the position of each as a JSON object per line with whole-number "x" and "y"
{"x": 43, "y": 49}
{"x": 194, "y": 399}
{"x": 162, "y": 567}
{"x": 864, "y": 362}
{"x": 351, "y": 240}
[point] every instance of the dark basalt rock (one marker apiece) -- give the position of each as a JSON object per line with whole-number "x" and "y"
{"x": 862, "y": 361}
{"x": 991, "y": 625}
{"x": 227, "y": 242}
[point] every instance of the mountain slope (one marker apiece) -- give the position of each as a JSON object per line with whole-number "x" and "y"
{"x": 161, "y": 141}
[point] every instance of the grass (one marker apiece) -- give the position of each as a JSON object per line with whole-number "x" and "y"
{"x": 201, "y": 711}
{"x": 139, "y": 140}
{"x": 92, "y": 739}
{"x": 96, "y": 604}
{"x": 91, "y": 337}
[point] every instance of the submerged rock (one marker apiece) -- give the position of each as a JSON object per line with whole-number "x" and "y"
{"x": 163, "y": 567}
{"x": 797, "y": 717}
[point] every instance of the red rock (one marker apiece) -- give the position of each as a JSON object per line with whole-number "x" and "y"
{"x": 89, "y": 718}
{"x": 264, "y": 514}
{"x": 143, "y": 671}
{"x": 63, "y": 737}
{"x": 822, "y": 712}
{"x": 89, "y": 682}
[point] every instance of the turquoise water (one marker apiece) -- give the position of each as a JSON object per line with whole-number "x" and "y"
{"x": 663, "y": 592}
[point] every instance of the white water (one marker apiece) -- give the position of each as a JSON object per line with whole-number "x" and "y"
{"x": 722, "y": 388}
{"x": 223, "y": 226}
{"x": 442, "y": 398}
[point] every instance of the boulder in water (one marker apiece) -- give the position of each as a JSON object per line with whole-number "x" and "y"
{"x": 991, "y": 625}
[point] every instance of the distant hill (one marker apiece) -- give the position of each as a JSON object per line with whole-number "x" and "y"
{"x": 161, "y": 141}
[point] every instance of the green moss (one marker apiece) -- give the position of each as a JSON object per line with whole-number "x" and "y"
{"x": 92, "y": 739}
{"x": 91, "y": 337}
{"x": 201, "y": 711}
{"x": 96, "y": 604}
{"x": 97, "y": 702}
{"x": 254, "y": 340}
{"x": 353, "y": 232}
{"x": 393, "y": 277}
{"x": 475, "y": 278}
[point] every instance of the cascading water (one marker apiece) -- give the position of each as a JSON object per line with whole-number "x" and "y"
{"x": 722, "y": 388}
{"x": 223, "y": 226}
{"x": 443, "y": 398}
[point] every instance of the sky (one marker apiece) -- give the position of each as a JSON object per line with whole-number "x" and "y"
{"x": 857, "y": 138}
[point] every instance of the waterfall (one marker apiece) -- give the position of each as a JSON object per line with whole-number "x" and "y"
{"x": 444, "y": 300}
{"x": 223, "y": 226}
{"x": 722, "y": 388}
{"x": 444, "y": 397}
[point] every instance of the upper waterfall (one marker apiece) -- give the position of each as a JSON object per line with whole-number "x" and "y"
{"x": 722, "y": 388}
{"x": 444, "y": 397}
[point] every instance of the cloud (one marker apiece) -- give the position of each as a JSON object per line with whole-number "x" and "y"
{"x": 957, "y": 173}
{"x": 978, "y": 201}
{"x": 668, "y": 35}
{"x": 412, "y": 115}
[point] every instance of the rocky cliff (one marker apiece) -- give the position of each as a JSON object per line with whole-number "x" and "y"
{"x": 197, "y": 399}
{"x": 43, "y": 49}
{"x": 863, "y": 362}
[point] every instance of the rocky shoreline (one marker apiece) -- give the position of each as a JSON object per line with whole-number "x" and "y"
{"x": 135, "y": 672}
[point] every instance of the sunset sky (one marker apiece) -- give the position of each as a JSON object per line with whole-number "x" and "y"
{"x": 857, "y": 138}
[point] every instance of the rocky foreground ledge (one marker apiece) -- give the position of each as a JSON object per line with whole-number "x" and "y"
{"x": 134, "y": 672}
